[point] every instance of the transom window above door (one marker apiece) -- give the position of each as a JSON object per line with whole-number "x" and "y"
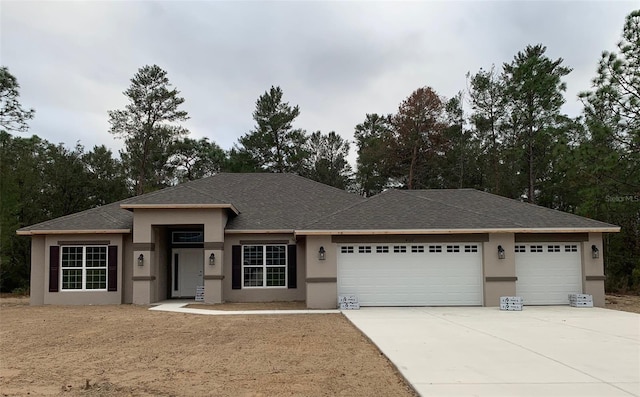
{"x": 187, "y": 237}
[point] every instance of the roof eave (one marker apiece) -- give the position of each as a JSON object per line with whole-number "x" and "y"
{"x": 59, "y": 231}
{"x": 259, "y": 231}
{"x": 458, "y": 231}
{"x": 179, "y": 206}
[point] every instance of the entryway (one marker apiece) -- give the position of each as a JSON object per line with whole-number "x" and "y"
{"x": 187, "y": 267}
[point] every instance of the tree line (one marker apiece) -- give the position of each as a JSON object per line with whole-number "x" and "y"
{"x": 505, "y": 133}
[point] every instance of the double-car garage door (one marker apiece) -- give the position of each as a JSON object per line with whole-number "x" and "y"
{"x": 448, "y": 274}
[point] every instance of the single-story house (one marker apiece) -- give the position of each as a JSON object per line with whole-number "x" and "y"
{"x": 282, "y": 237}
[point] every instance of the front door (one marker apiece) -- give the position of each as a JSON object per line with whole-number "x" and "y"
{"x": 187, "y": 266}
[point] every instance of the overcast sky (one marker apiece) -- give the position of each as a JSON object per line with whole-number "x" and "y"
{"x": 337, "y": 60}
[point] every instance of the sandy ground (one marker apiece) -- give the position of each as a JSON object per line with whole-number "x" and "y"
{"x": 627, "y": 303}
{"x": 129, "y": 351}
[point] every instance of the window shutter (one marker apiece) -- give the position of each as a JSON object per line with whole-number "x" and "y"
{"x": 292, "y": 266}
{"x": 112, "y": 268}
{"x": 236, "y": 267}
{"x": 54, "y": 268}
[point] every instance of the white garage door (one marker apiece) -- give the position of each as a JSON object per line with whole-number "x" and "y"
{"x": 548, "y": 272}
{"x": 447, "y": 274}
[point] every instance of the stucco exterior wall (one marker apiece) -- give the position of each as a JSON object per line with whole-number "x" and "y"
{"x": 81, "y": 297}
{"x": 321, "y": 280}
{"x": 127, "y": 268}
{"x": 39, "y": 270}
{"x": 593, "y": 269}
{"x": 263, "y": 294}
{"x": 499, "y": 275}
{"x": 150, "y": 239}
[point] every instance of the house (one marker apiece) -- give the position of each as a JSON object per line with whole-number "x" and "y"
{"x": 281, "y": 237}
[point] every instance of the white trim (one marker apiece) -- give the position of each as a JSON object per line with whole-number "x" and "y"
{"x": 456, "y": 231}
{"x": 86, "y": 231}
{"x": 259, "y": 231}
{"x": 178, "y": 206}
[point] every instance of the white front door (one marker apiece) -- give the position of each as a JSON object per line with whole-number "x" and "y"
{"x": 187, "y": 266}
{"x": 421, "y": 274}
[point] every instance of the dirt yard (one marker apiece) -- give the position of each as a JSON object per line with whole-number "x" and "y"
{"x": 129, "y": 351}
{"x": 627, "y": 303}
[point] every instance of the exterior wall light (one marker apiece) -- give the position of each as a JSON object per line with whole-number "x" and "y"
{"x": 212, "y": 259}
{"x": 322, "y": 254}
{"x": 500, "y": 252}
{"x": 140, "y": 260}
{"x": 595, "y": 252}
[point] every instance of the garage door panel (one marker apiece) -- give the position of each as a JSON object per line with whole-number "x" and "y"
{"x": 548, "y": 272}
{"x": 412, "y": 278}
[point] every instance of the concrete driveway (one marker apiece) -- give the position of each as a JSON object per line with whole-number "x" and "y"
{"x": 540, "y": 351}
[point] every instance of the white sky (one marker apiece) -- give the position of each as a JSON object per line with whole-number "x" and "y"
{"x": 337, "y": 60}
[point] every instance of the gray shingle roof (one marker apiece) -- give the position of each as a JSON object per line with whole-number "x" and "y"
{"x": 107, "y": 217}
{"x": 290, "y": 202}
{"x": 448, "y": 210}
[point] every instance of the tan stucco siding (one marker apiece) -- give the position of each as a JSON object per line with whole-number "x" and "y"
{"x": 39, "y": 270}
{"x": 321, "y": 281}
{"x": 498, "y": 274}
{"x": 593, "y": 269}
{"x": 150, "y": 238}
{"x": 82, "y": 297}
{"x": 263, "y": 294}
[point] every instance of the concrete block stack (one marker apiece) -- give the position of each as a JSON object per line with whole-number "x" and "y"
{"x": 581, "y": 300}
{"x": 511, "y": 303}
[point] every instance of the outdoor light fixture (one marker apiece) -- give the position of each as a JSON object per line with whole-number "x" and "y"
{"x": 322, "y": 254}
{"x": 500, "y": 252}
{"x": 595, "y": 253}
{"x": 141, "y": 260}
{"x": 212, "y": 259}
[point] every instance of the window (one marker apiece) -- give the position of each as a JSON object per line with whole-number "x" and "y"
{"x": 570, "y": 248}
{"x": 521, "y": 248}
{"x": 346, "y": 249}
{"x": 264, "y": 265}
{"x": 453, "y": 248}
{"x": 84, "y": 268}
{"x": 435, "y": 248}
{"x": 553, "y": 248}
{"x": 382, "y": 249}
{"x": 399, "y": 249}
{"x": 470, "y": 248}
{"x": 193, "y": 237}
{"x": 364, "y": 249}
{"x": 417, "y": 248}
{"x": 536, "y": 248}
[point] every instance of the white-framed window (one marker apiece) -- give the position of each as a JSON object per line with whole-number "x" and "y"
{"x": 84, "y": 268}
{"x": 397, "y": 249}
{"x": 453, "y": 248}
{"x": 364, "y": 249}
{"x": 346, "y": 249}
{"x": 570, "y": 248}
{"x": 470, "y": 248}
{"x": 435, "y": 248}
{"x": 264, "y": 266}
{"x": 521, "y": 248}
{"x": 553, "y": 248}
{"x": 535, "y": 248}
{"x": 382, "y": 249}
{"x": 417, "y": 248}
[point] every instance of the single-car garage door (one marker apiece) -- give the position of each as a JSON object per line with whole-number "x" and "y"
{"x": 548, "y": 272}
{"x": 448, "y": 274}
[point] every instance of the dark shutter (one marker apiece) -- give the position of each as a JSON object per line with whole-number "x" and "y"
{"x": 54, "y": 268}
{"x": 236, "y": 267}
{"x": 112, "y": 268}
{"x": 292, "y": 266}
